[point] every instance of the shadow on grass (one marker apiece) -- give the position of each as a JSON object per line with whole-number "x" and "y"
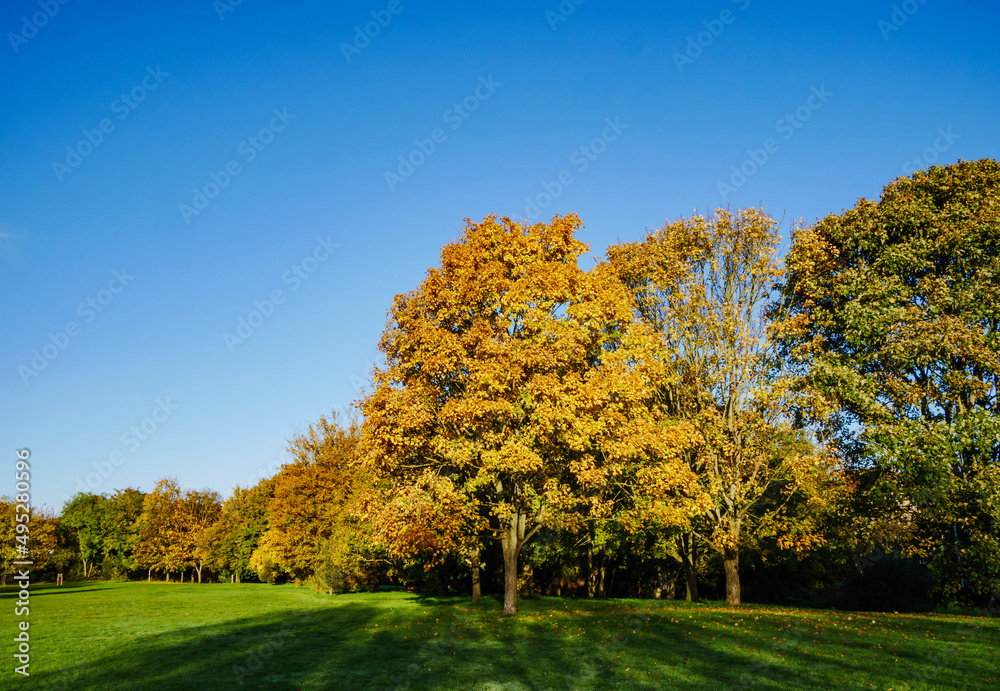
{"x": 40, "y": 589}
{"x": 429, "y": 642}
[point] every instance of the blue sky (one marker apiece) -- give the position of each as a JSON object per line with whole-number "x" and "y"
{"x": 286, "y": 126}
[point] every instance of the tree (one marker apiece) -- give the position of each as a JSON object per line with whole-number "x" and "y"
{"x": 235, "y": 536}
{"x": 8, "y": 537}
{"x": 703, "y": 284}
{"x": 83, "y": 514}
{"x": 890, "y": 313}
{"x": 197, "y": 512}
{"x": 513, "y": 393}
{"x": 37, "y": 535}
{"x": 172, "y": 527}
{"x": 310, "y": 495}
{"x": 121, "y": 529}
{"x": 158, "y": 547}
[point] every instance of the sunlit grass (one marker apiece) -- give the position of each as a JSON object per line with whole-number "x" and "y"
{"x": 159, "y": 636}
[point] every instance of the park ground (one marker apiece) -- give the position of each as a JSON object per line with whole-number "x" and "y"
{"x": 104, "y": 635}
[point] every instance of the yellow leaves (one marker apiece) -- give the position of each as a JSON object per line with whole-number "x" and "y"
{"x": 521, "y": 380}
{"x": 800, "y": 543}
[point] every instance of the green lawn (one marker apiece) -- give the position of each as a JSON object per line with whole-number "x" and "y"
{"x": 158, "y": 636}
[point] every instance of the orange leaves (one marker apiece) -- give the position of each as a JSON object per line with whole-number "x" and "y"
{"x": 516, "y": 375}
{"x": 326, "y": 471}
{"x": 429, "y": 517}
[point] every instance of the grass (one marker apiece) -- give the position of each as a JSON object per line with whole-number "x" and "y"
{"x": 158, "y": 636}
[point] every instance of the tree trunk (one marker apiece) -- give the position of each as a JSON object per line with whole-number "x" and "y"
{"x": 591, "y": 580}
{"x": 601, "y": 573}
{"x": 168, "y": 576}
{"x": 731, "y": 560}
{"x": 149, "y": 576}
{"x": 199, "y": 567}
{"x": 689, "y": 565}
{"x": 476, "y": 586}
{"x": 511, "y": 548}
{"x": 671, "y": 589}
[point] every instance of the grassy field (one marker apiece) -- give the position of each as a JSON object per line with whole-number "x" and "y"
{"x": 159, "y": 636}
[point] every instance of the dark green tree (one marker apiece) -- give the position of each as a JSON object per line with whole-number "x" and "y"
{"x": 890, "y": 312}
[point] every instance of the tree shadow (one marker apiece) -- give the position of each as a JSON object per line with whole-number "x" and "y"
{"x": 430, "y": 642}
{"x": 39, "y": 590}
{"x": 283, "y": 649}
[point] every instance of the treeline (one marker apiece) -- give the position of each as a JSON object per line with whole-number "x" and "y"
{"x": 688, "y": 418}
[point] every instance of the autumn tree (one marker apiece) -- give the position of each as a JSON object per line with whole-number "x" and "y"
{"x": 156, "y": 528}
{"x": 196, "y": 513}
{"x": 8, "y": 538}
{"x": 172, "y": 526}
{"x": 890, "y": 312}
{"x": 513, "y": 393}
{"x": 43, "y": 542}
{"x": 310, "y": 496}
{"x": 703, "y": 284}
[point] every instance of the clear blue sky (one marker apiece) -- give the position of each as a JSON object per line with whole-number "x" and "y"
{"x": 181, "y": 92}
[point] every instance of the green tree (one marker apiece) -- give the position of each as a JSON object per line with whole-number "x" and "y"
{"x": 235, "y": 536}
{"x": 120, "y": 538}
{"x": 84, "y": 515}
{"x": 890, "y": 312}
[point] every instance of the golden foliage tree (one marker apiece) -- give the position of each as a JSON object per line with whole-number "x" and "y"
{"x": 704, "y": 285}
{"x": 171, "y": 526}
{"x": 514, "y": 395}
{"x": 309, "y": 497}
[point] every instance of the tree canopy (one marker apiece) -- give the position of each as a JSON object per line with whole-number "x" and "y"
{"x": 891, "y": 311}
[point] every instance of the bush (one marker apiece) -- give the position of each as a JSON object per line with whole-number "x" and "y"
{"x": 266, "y": 567}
